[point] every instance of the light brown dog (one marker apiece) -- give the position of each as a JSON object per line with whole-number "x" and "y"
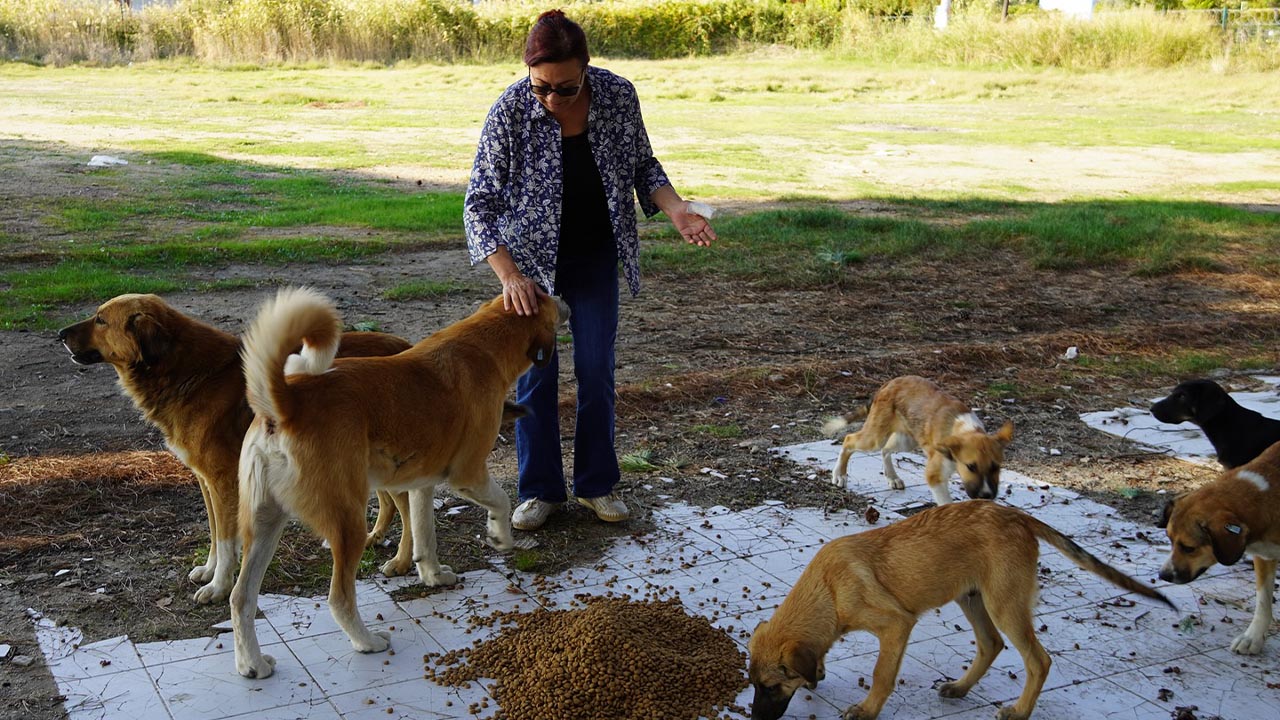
{"x": 882, "y": 580}
{"x": 391, "y": 503}
{"x": 910, "y": 412}
{"x": 323, "y": 436}
{"x": 186, "y": 378}
{"x": 1218, "y": 523}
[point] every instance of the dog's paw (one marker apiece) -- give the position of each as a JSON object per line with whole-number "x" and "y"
{"x": 213, "y": 592}
{"x": 201, "y": 574}
{"x": 1248, "y": 644}
{"x": 374, "y": 539}
{"x": 855, "y": 712}
{"x": 395, "y": 567}
{"x": 895, "y": 483}
{"x": 1008, "y": 713}
{"x": 377, "y": 641}
{"x": 442, "y": 576}
{"x": 952, "y": 690}
{"x": 256, "y": 668}
{"x": 837, "y": 478}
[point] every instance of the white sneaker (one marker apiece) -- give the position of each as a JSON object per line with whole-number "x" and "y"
{"x": 608, "y": 508}
{"x": 532, "y": 514}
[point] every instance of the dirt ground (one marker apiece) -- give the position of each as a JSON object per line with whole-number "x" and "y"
{"x": 710, "y": 374}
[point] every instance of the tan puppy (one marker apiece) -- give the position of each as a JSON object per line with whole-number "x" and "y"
{"x": 324, "y": 436}
{"x": 882, "y": 580}
{"x": 1237, "y": 513}
{"x": 186, "y": 378}
{"x": 910, "y": 412}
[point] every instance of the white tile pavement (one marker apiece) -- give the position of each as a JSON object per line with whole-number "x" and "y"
{"x": 1114, "y": 656}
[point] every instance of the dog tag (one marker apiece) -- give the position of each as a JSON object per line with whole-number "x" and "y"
{"x": 541, "y": 354}
{"x": 1233, "y": 529}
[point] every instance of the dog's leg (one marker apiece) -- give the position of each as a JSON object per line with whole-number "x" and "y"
{"x": 937, "y": 473}
{"x": 423, "y": 516}
{"x": 224, "y": 551}
{"x": 204, "y": 573}
{"x": 400, "y": 564}
{"x": 491, "y": 497}
{"x": 264, "y": 534}
{"x": 988, "y": 641}
{"x": 840, "y": 472}
{"x": 1014, "y": 618}
{"x": 345, "y": 532}
{"x": 386, "y": 511}
{"x": 893, "y": 644}
{"x": 891, "y": 472}
{"x": 1251, "y": 640}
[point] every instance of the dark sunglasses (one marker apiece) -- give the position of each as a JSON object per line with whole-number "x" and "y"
{"x": 544, "y": 90}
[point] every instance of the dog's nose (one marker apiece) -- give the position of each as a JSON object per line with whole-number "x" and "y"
{"x": 1167, "y": 575}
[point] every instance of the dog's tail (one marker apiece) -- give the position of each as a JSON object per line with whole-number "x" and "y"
{"x": 836, "y": 424}
{"x": 295, "y": 315}
{"x": 1084, "y": 559}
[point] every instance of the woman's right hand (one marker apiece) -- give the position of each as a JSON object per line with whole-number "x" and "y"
{"x": 521, "y": 294}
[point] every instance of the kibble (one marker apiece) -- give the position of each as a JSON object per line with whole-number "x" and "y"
{"x": 611, "y": 659}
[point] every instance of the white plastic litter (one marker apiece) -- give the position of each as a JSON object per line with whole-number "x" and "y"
{"x": 703, "y": 209}
{"x": 106, "y": 161}
{"x": 1072, "y": 353}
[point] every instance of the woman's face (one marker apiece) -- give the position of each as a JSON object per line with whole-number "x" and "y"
{"x": 557, "y": 85}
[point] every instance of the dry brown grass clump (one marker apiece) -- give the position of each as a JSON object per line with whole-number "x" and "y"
{"x": 614, "y": 659}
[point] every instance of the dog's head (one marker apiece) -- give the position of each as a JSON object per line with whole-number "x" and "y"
{"x": 126, "y": 331}
{"x": 779, "y": 667}
{"x": 1203, "y": 533}
{"x": 1193, "y": 400}
{"x": 978, "y": 457}
{"x": 552, "y": 314}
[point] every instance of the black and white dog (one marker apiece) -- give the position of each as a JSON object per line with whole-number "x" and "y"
{"x": 1237, "y": 434}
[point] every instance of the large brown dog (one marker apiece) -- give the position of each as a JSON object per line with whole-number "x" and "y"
{"x": 910, "y": 412}
{"x": 322, "y": 437}
{"x": 882, "y": 580}
{"x": 1218, "y": 523}
{"x": 186, "y": 378}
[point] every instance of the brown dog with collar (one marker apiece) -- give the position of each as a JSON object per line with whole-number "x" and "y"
{"x": 1218, "y": 523}
{"x": 910, "y": 412}
{"x": 186, "y": 378}
{"x": 327, "y": 433}
{"x": 882, "y": 580}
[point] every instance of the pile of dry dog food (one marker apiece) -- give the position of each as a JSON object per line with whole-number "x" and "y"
{"x": 611, "y": 658}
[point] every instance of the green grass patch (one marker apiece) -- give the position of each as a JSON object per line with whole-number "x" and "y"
{"x": 31, "y": 294}
{"x": 812, "y": 246}
{"x": 423, "y": 290}
{"x": 637, "y": 462}
{"x": 719, "y": 431}
{"x": 1192, "y": 363}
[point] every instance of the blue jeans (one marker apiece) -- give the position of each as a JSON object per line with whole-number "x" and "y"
{"x": 590, "y": 287}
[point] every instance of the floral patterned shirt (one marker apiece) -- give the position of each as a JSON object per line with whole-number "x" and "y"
{"x": 513, "y": 199}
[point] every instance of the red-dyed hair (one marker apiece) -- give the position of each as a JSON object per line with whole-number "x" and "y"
{"x": 555, "y": 38}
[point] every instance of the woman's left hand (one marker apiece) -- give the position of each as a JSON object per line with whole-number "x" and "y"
{"x": 693, "y": 227}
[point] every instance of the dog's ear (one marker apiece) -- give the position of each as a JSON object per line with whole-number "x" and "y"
{"x": 1229, "y": 537}
{"x": 802, "y": 660}
{"x": 946, "y": 449}
{"x": 1166, "y": 512}
{"x": 1005, "y": 434}
{"x": 151, "y": 336}
{"x": 1208, "y": 402}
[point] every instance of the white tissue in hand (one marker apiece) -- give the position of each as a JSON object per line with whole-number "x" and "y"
{"x": 703, "y": 209}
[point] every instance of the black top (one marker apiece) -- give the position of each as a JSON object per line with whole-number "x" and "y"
{"x": 585, "y": 227}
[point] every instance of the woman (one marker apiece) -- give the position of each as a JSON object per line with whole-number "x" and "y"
{"x": 550, "y": 207}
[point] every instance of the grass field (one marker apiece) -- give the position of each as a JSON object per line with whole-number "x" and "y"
{"x": 1161, "y": 169}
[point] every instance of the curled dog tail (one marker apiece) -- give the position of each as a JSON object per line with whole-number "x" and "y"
{"x": 836, "y": 424}
{"x": 294, "y": 315}
{"x": 1085, "y": 560}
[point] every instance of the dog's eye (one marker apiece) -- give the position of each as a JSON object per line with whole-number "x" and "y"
{"x": 97, "y": 320}
{"x": 973, "y": 468}
{"x": 1185, "y": 549}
